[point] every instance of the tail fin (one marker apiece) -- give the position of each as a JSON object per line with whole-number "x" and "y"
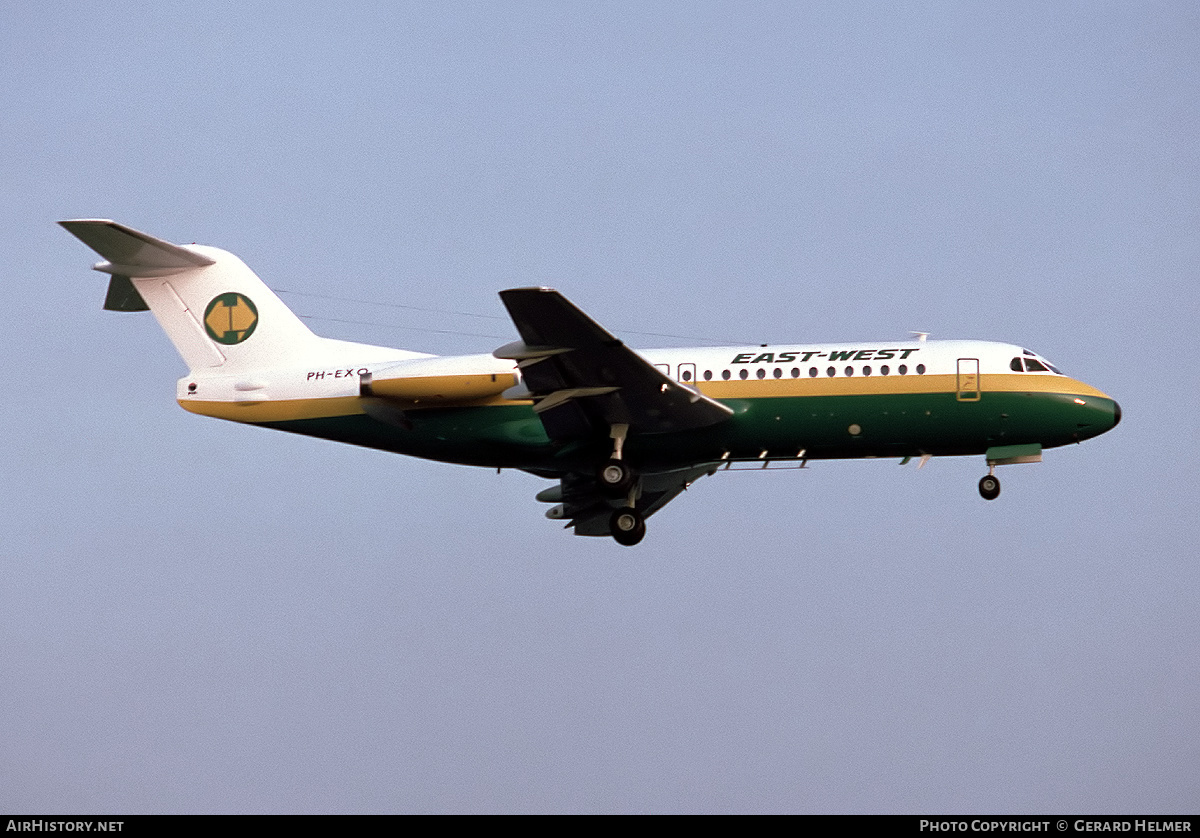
{"x": 215, "y": 310}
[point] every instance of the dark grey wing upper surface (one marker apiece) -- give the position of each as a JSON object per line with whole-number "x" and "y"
{"x": 583, "y": 380}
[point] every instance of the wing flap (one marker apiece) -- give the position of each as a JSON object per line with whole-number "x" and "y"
{"x": 587, "y": 510}
{"x": 584, "y": 380}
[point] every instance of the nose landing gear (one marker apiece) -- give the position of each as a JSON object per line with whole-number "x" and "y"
{"x": 989, "y": 486}
{"x": 1006, "y": 455}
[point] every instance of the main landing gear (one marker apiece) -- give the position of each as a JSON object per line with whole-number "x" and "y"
{"x": 989, "y": 485}
{"x": 627, "y": 526}
{"x": 616, "y": 480}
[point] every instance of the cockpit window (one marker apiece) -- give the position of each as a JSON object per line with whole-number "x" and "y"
{"x": 1033, "y": 364}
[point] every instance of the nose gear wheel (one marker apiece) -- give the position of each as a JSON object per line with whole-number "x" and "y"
{"x": 989, "y": 487}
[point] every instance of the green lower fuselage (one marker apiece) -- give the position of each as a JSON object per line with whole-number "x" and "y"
{"x": 808, "y": 427}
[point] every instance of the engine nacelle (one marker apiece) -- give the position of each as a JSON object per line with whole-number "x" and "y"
{"x": 438, "y": 390}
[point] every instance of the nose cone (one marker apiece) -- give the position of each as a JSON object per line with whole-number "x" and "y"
{"x": 1105, "y": 414}
{"x": 1088, "y": 412}
{"x": 1094, "y": 413}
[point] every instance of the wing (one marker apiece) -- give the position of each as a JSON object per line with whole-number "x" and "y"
{"x": 583, "y": 506}
{"x": 583, "y": 380}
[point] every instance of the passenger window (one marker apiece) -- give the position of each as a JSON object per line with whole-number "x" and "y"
{"x": 744, "y": 374}
{"x": 920, "y": 369}
{"x": 812, "y": 372}
{"x": 725, "y": 374}
{"x": 708, "y": 375}
{"x": 795, "y": 372}
{"x": 849, "y": 370}
{"x": 902, "y": 369}
{"x": 866, "y": 370}
{"x": 778, "y": 372}
{"x": 687, "y": 375}
{"x": 884, "y": 370}
{"x": 831, "y": 372}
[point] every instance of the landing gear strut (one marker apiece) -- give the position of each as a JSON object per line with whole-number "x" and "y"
{"x": 627, "y": 526}
{"x": 989, "y": 486}
{"x": 616, "y": 480}
{"x": 615, "y": 476}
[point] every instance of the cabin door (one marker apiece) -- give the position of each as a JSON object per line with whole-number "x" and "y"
{"x": 968, "y": 379}
{"x": 687, "y": 373}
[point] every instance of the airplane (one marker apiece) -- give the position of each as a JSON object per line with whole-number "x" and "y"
{"x": 621, "y": 432}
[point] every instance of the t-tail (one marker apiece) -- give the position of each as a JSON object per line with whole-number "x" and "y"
{"x": 215, "y": 310}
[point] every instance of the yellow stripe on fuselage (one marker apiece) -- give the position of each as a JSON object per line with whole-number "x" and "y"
{"x": 286, "y": 410}
{"x": 767, "y": 388}
{"x": 321, "y": 408}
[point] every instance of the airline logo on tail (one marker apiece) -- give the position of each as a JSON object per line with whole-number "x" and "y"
{"x": 230, "y": 318}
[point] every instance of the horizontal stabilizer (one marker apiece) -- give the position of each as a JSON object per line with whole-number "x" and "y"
{"x": 130, "y": 252}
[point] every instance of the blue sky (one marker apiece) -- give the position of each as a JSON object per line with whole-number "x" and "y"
{"x": 203, "y": 617}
